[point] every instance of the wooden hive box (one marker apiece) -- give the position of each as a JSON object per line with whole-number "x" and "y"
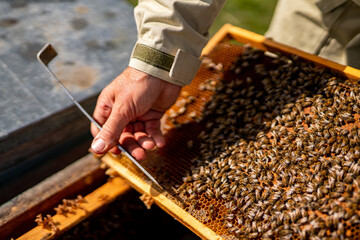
{"x": 170, "y": 164}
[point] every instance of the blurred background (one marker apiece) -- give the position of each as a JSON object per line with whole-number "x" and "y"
{"x": 253, "y": 15}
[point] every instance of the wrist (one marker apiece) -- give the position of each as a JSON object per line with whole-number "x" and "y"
{"x": 159, "y": 83}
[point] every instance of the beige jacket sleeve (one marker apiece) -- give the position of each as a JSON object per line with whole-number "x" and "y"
{"x": 328, "y": 28}
{"x": 171, "y": 36}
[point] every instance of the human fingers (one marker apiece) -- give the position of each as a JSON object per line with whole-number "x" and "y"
{"x": 153, "y": 129}
{"x": 142, "y": 137}
{"x": 128, "y": 141}
{"x": 152, "y": 126}
{"x": 112, "y": 128}
{"x": 115, "y": 150}
{"x": 102, "y": 110}
{"x": 128, "y": 128}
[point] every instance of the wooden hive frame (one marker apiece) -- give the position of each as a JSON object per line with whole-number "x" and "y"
{"x": 229, "y": 32}
{"x": 83, "y": 176}
{"x": 226, "y": 33}
{"x": 95, "y": 200}
{"x": 137, "y": 180}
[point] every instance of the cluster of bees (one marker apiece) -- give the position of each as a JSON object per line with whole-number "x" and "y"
{"x": 279, "y": 156}
{"x": 46, "y": 222}
{"x": 147, "y": 200}
{"x": 69, "y": 205}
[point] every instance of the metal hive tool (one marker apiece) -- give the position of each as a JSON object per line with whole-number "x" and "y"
{"x": 45, "y": 55}
{"x": 172, "y": 163}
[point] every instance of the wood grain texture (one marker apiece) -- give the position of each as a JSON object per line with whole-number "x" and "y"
{"x": 102, "y": 196}
{"x": 120, "y": 164}
{"x": 137, "y": 180}
{"x": 266, "y": 44}
{"x": 18, "y": 214}
{"x": 141, "y": 184}
{"x": 41, "y": 135}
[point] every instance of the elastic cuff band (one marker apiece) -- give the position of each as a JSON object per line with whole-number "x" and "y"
{"x": 153, "y": 57}
{"x": 179, "y": 70}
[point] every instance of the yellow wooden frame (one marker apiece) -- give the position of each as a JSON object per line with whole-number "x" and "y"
{"x": 258, "y": 41}
{"x": 102, "y": 196}
{"x": 226, "y": 33}
{"x": 121, "y": 164}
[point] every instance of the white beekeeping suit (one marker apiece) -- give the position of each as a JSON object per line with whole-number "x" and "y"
{"x": 171, "y": 34}
{"x": 328, "y": 28}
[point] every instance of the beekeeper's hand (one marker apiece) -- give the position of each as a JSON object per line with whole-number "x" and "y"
{"x": 129, "y": 110}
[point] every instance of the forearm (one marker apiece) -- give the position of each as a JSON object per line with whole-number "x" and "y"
{"x": 171, "y": 35}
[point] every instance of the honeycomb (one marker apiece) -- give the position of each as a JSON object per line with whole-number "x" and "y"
{"x": 218, "y": 166}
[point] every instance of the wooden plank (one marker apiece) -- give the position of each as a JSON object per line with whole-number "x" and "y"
{"x": 43, "y": 134}
{"x": 219, "y": 36}
{"x": 138, "y": 181}
{"x": 266, "y": 44}
{"x": 31, "y": 172}
{"x": 350, "y": 72}
{"x": 245, "y": 36}
{"x": 120, "y": 164}
{"x": 102, "y": 196}
{"x": 18, "y": 214}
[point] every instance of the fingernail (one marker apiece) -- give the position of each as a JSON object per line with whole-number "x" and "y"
{"x": 98, "y": 145}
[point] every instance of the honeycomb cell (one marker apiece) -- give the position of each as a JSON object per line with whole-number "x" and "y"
{"x": 275, "y": 142}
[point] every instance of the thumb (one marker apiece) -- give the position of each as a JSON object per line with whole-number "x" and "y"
{"x": 110, "y": 133}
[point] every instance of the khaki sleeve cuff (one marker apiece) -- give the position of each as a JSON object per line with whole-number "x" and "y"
{"x": 179, "y": 69}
